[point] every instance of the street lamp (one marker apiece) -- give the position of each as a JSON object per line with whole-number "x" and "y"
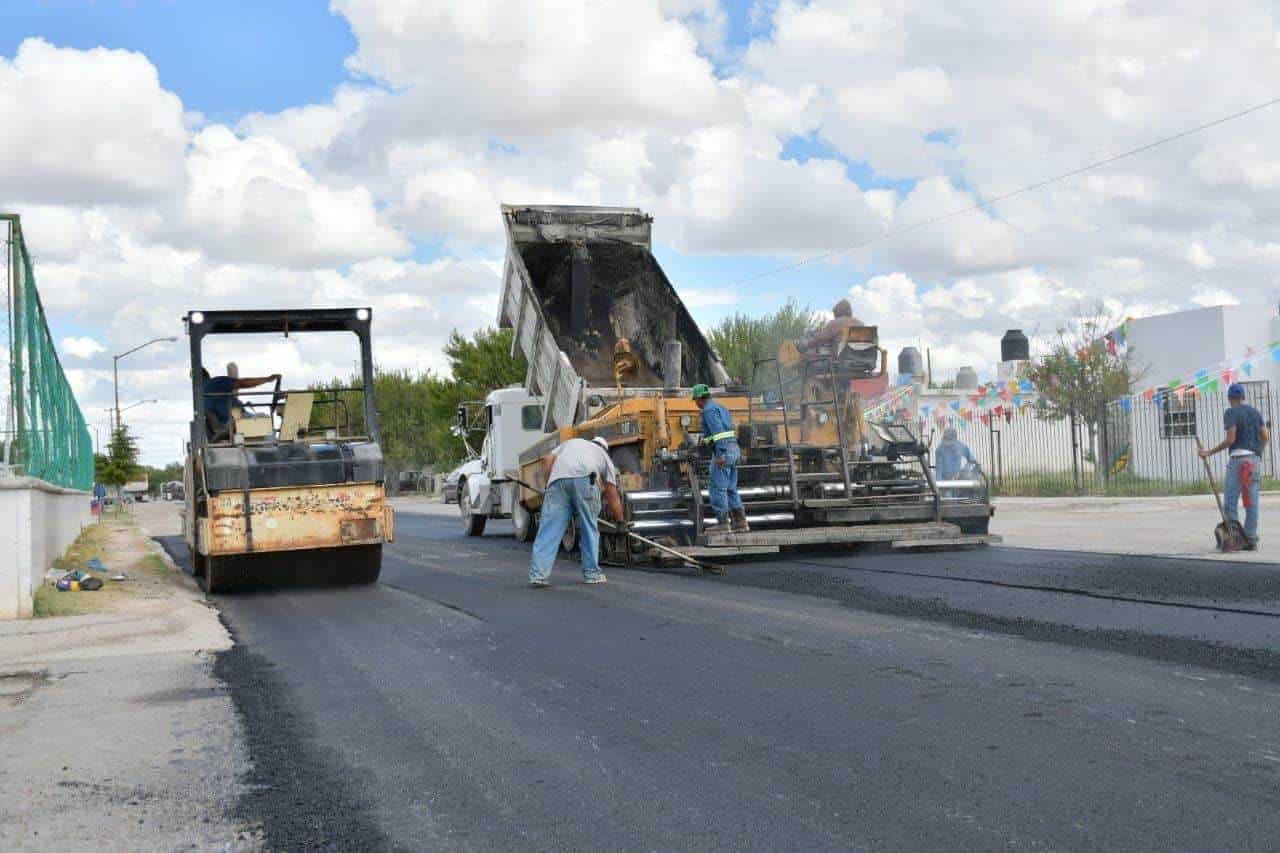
{"x": 115, "y": 369}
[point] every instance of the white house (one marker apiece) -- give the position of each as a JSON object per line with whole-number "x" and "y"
{"x": 1169, "y": 347}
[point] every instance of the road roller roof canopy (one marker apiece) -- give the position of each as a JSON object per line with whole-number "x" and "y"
{"x": 285, "y": 321}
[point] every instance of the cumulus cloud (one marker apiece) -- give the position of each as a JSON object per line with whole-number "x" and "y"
{"x": 82, "y": 347}
{"x": 251, "y": 199}
{"x": 87, "y": 127}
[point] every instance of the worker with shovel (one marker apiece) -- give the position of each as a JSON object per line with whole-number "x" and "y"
{"x": 577, "y": 474}
{"x": 1247, "y": 437}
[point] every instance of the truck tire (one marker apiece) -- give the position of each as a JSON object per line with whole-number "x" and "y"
{"x": 472, "y": 522}
{"x": 524, "y": 522}
{"x": 976, "y": 526}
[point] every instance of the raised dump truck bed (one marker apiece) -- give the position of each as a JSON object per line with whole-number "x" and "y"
{"x": 576, "y": 281}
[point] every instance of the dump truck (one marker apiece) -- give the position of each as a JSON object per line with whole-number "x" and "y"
{"x": 293, "y": 491}
{"x": 613, "y": 352}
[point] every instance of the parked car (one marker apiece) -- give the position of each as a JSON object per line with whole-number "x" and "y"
{"x": 458, "y": 476}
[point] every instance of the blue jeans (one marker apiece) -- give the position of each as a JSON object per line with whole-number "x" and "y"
{"x": 565, "y": 500}
{"x": 724, "y": 481}
{"x": 1243, "y": 476}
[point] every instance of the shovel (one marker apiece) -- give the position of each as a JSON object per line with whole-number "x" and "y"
{"x": 1228, "y": 534}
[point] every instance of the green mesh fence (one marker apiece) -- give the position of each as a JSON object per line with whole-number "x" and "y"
{"x": 53, "y": 440}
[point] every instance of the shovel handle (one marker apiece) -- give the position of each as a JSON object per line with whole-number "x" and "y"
{"x": 1212, "y": 483}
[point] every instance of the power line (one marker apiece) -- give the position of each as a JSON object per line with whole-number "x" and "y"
{"x": 982, "y": 205}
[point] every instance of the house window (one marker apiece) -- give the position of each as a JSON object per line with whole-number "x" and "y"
{"x": 1178, "y": 417}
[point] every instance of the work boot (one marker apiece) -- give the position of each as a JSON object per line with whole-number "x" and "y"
{"x": 740, "y": 521}
{"x": 722, "y": 522}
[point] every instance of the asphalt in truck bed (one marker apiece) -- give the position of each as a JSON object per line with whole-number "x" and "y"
{"x": 986, "y": 699}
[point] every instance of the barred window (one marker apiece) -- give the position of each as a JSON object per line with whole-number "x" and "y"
{"x": 1178, "y": 417}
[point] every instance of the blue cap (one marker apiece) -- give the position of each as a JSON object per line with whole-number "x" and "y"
{"x": 1236, "y": 390}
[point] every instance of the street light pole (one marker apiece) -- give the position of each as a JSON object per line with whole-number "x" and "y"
{"x": 115, "y": 371}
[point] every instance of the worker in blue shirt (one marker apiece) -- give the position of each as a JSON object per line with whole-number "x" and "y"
{"x": 718, "y": 434}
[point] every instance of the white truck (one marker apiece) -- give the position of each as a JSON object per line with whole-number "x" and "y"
{"x": 512, "y": 420}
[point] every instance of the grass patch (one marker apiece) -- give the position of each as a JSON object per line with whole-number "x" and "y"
{"x": 121, "y": 547}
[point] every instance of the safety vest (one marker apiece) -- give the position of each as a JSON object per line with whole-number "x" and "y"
{"x": 720, "y": 436}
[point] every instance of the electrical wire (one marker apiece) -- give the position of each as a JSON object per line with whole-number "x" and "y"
{"x": 1028, "y": 188}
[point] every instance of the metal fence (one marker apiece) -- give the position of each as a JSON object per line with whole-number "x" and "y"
{"x": 1133, "y": 447}
{"x": 45, "y": 435}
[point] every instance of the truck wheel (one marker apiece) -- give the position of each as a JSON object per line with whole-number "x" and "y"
{"x": 975, "y": 526}
{"x": 525, "y": 524}
{"x": 472, "y": 522}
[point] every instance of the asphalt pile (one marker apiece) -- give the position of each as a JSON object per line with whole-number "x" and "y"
{"x": 629, "y": 297}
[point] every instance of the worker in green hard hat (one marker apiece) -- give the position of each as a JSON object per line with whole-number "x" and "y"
{"x": 719, "y": 434}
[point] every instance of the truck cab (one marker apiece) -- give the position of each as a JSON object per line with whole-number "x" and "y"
{"x": 512, "y": 420}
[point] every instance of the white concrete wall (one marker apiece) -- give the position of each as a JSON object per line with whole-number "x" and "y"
{"x": 38, "y": 522}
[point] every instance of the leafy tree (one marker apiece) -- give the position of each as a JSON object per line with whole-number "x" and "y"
{"x": 416, "y": 411}
{"x": 120, "y": 465}
{"x": 159, "y": 476}
{"x": 741, "y": 340}
{"x": 1083, "y": 372}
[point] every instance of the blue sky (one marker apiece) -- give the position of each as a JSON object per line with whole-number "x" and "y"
{"x": 225, "y": 58}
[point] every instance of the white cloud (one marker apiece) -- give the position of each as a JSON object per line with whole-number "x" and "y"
{"x": 251, "y": 199}
{"x": 695, "y": 298}
{"x": 1207, "y": 297}
{"x": 82, "y": 347}
{"x": 87, "y": 127}
{"x": 1198, "y": 256}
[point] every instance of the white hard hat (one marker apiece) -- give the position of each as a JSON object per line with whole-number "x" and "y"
{"x": 602, "y": 442}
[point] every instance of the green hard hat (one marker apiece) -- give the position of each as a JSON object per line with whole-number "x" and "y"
{"x": 700, "y": 391}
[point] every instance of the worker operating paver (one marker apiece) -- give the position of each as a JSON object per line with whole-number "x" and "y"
{"x": 1247, "y": 436}
{"x": 719, "y": 434}
{"x": 577, "y": 473}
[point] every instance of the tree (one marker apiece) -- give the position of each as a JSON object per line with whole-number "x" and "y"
{"x": 416, "y": 411}
{"x": 741, "y": 340}
{"x": 1084, "y": 371}
{"x": 120, "y": 465}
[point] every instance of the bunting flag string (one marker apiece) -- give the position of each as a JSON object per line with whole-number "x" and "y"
{"x": 1008, "y": 397}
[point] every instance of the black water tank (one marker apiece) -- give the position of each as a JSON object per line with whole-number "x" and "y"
{"x": 910, "y": 362}
{"x": 1014, "y": 346}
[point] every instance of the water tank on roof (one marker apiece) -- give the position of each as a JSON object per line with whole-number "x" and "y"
{"x": 910, "y": 363}
{"x": 1014, "y": 346}
{"x": 966, "y": 379}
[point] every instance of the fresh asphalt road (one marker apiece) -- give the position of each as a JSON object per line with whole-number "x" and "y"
{"x": 942, "y": 701}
